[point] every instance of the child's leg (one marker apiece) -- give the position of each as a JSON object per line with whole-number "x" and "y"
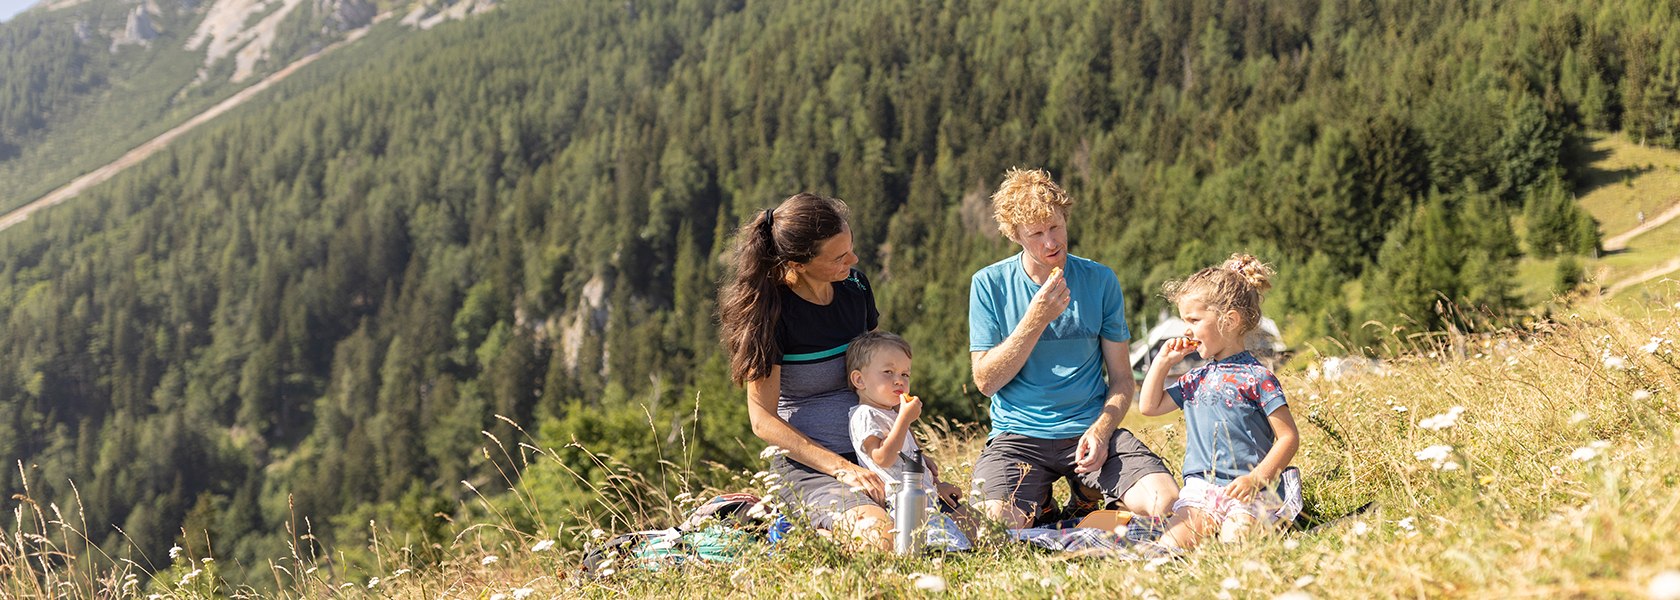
{"x": 1188, "y": 527}
{"x": 1237, "y": 526}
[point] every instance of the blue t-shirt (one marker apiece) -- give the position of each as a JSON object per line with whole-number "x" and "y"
{"x": 1060, "y": 390}
{"x": 1225, "y": 404}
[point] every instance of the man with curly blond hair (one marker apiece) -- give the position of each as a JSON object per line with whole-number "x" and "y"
{"x": 1043, "y": 328}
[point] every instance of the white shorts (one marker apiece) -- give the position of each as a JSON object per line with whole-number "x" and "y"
{"x": 1202, "y": 495}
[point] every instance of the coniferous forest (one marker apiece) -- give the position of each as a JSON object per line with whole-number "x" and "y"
{"x": 318, "y": 308}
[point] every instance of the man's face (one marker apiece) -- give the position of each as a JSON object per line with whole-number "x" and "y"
{"x": 1044, "y": 243}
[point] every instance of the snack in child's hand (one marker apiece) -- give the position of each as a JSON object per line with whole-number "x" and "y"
{"x": 1192, "y": 341}
{"x": 905, "y": 398}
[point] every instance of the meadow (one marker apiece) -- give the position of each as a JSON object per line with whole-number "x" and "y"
{"x": 1534, "y": 462}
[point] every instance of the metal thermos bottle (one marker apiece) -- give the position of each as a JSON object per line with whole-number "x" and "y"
{"x": 912, "y": 505}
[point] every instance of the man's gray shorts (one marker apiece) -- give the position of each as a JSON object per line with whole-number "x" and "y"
{"x": 1021, "y": 469}
{"x": 814, "y": 494}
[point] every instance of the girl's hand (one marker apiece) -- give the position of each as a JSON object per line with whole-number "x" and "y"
{"x": 1242, "y": 489}
{"x": 1176, "y": 349}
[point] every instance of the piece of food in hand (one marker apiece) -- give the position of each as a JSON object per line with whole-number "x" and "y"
{"x": 1055, "y": 271}
{"x": 905, "y": 398}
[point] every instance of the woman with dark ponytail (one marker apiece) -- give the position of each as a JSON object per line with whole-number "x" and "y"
{"x": 789, "y": 311}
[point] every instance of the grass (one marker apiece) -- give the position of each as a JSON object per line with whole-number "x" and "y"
{"x": 1621, "y": 180}
{"x": 1625, "y": 178}
{"x": 1567, "y": 485}
{"x": 1529, "y": 513}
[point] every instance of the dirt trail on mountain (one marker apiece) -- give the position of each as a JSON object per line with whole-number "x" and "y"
{"x": 133, "y": 157}
{"x": 1621, "y": 240}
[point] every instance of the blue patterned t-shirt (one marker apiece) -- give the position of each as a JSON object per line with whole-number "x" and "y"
{"x": 1225, "y": 404}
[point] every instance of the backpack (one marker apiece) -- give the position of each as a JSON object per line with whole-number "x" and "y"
{"x": 716, "y": 531}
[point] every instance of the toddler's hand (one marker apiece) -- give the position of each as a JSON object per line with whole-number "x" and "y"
{"x": 951, "y": 493}
{"x": 1242, "y": 489}
{"x": 909, "y": 407}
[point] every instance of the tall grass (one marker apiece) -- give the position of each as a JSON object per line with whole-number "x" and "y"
{"x": 1559, "y": 477}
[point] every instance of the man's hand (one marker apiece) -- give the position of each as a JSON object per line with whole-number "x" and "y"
{"x": 1092, "y": 451}
{"x": 1050, "y": 301}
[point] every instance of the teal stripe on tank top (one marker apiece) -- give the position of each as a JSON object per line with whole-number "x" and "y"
{"x": 816, "y": 355}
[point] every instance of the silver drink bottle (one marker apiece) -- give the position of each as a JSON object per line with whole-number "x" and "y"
{"x": 912, "y": 505}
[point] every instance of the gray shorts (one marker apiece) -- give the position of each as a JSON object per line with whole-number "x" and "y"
{"x": 1021, "y": 469}
{"x": 815, "y": 495}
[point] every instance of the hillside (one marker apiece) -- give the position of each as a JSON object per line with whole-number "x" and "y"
{"x": 314, "y": 312}
{"x": 84, "y": 82}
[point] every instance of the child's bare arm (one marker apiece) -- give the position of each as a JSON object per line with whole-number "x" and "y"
{"x": 1152, "y": 399}
{"x": 1286, "y": 439}
{"x": 886, "y": 454}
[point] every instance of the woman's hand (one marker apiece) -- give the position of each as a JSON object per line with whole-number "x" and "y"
{"x": 864, "y": 480}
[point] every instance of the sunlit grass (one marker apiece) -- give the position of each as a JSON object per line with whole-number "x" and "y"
{"x": 1561, "y": 480}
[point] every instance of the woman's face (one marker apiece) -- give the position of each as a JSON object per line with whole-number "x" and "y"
{"x": 833, "y": 262}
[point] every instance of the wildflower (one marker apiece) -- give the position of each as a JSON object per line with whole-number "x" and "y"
{"x": 770, "y": 452}
{"x": 1665, "y": 586}
{"x": 1579, "y": 416}
{"x": 740, "y": 576}
{"x": 523, "y": 593}
{"x": 174, "y": 552}
{"x": 1399, "y": 409}
{"x": 498, "y": 596}
{"x": 1442, "y": 421}
{"x": 208, "y": 560}
{"x": 372, "y": 583}
{"x": 931, "y": 583}
{"x": 400, "y": 573}
{"x": 1304, "y": 581}
{"x": 1360, "y": 528}
{"x": 1293, "y": 595}
{"x": 189, "y": 577}
{"x": 1406, "y": 524}
{"x": 1615, "y": 362}
{"x": 542, "y": 546}
{"x": 1641, "y": 395}
{"x": 1291, "y": 544}
{"x": 1230, "y": 583}
{"x": 1253, "y": 565}
{"x": 1589, "y": 451}
{"x": 1656, "y": 345}
{"x": 489, "y": 560}
{"x": 597, "y": 533}
{"x": 1437, "y": 457}
{"x": 1155, "y": 563}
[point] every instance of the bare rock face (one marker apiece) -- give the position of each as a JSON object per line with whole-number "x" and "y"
{"x": 139, "y": 30}
{"x": 346, "y": 15}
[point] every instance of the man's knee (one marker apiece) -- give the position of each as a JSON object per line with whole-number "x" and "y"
{"x": 1153, "y": 495}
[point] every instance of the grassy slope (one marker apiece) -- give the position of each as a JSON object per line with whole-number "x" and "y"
{"x": 1521, "y": 517}
{"x": 1633, "y": 178}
